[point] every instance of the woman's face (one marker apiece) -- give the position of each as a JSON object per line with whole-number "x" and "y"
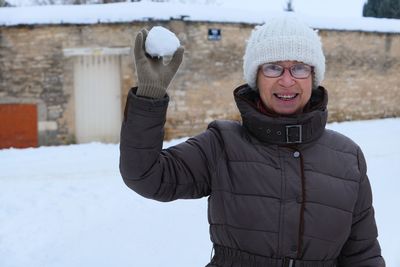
{"x": 284, "y": 95}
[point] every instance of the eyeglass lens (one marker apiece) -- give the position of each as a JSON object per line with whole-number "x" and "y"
{"x": 298, "y": 71}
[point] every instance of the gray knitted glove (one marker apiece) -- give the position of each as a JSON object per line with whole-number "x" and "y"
{"x": 153, "y": 76}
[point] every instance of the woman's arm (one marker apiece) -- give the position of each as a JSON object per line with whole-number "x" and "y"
{"x": 362, "y": 247}
{"x": 181, "y": 171}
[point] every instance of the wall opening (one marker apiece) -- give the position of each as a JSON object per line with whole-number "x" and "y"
{"x": 18, "y": 125}
{"x": 97, "y": 92}
{"x": 97, "y": 88}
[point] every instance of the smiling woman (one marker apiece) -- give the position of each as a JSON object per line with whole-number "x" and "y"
{"x": 285, "y": 87}
{"x": 283, "y": 77}
{"x": 282, "y": 190}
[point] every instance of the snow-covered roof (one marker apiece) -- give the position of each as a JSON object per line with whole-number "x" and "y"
{"x": 162, "y": 11}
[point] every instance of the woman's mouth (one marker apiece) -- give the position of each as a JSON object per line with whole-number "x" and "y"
{"x": 286, "y": 97}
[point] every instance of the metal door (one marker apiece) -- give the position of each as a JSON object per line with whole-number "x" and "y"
{"x": 97, "y": 82}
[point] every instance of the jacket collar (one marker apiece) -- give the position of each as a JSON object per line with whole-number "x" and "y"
{"x": 283, "y": 130}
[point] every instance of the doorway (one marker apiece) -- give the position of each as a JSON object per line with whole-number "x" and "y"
{"x": 97, "y": 88}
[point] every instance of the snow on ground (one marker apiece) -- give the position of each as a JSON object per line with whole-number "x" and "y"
{"x": 67, "y": 206}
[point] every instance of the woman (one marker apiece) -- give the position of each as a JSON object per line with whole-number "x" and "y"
{"x": 283, "y": 190}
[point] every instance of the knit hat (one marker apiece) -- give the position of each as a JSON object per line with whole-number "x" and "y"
{"x": 280, "y": 39}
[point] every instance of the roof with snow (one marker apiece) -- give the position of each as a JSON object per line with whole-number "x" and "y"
{"x": 163, "y": 11}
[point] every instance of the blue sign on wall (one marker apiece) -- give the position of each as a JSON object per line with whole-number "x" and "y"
{"x": 214, "y": 34}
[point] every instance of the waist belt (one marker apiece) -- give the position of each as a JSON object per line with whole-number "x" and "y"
{"x": 225, "y": 256}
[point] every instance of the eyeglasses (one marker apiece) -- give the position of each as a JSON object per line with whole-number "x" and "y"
{"x": 298, "y": 71}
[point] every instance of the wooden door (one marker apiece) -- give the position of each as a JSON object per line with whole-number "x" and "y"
{"x": 18, "y": 125}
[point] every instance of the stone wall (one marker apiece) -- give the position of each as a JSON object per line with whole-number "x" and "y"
{"x": 362, "y": 73}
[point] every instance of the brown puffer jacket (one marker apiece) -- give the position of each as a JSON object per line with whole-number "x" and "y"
{"x": 282, "y": 191}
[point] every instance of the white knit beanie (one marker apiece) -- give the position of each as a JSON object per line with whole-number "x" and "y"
{"x": 280, "y": 39}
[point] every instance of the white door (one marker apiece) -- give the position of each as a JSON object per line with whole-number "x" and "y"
{"x": 97, "y": 82}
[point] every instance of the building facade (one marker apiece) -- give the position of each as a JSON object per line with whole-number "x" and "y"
{"x": 73, "y": 80}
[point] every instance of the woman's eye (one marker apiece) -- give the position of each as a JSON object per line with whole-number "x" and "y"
{"x": 275, "y": 68}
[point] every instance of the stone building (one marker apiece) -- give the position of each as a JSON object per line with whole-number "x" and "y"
{"x": 68, "y": 83}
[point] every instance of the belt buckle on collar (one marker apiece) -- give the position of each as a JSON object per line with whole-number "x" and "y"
{"x": 288, "y": 262}
{"x": 294, "y": 134}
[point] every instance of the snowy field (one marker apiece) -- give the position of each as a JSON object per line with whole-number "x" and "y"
{"x": 68, "y": 207}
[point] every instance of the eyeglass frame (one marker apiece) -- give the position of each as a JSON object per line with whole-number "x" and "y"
{"x": 287, "y": 68}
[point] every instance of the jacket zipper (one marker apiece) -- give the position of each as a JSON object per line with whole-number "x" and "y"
{"x": 303, "y": 201}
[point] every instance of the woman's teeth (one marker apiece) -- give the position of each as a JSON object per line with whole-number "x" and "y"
{"x": 286, "y": 97}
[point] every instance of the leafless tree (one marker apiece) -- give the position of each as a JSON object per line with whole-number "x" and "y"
{"x": 289, "y": 6}
{"x": 4, "y": 3}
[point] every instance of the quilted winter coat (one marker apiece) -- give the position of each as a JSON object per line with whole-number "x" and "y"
{"x": 282, "y": 191}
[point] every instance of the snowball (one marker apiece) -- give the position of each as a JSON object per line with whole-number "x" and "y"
{"x": 161, "y": 42}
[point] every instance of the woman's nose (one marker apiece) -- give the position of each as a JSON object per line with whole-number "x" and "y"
{"x": 286, "y": 79}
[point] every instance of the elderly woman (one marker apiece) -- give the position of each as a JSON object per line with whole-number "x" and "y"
{"x": 283, "y": 190}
